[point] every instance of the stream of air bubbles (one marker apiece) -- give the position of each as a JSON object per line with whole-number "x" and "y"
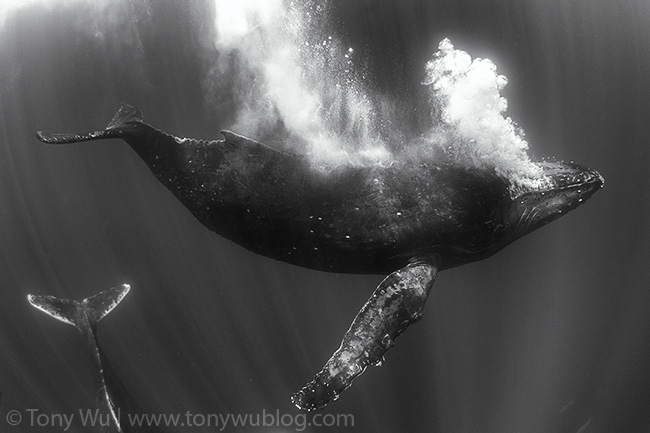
{"x": 309, "y": 92}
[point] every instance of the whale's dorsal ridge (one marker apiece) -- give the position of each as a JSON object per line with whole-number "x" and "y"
{"x": 126, "y": 113}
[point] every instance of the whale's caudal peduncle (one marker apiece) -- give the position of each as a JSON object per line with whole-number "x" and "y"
{"x": 408, "y": 219}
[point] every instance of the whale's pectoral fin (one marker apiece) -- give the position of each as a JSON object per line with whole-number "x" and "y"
{"x": 125, "y": 114}
{"x": 396, "y": 303}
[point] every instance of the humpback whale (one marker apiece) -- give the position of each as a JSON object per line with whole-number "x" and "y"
{"x": 407, "y": 220}
{"x": 114, "y": 402}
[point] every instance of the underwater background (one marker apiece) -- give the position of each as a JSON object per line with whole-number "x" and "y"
{"x": 550, "y": 335}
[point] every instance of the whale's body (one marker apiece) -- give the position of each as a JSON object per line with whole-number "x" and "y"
{"x": 409, "y": 219}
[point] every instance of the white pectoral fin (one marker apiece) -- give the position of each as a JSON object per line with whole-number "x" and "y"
{"x": 396, "y": 303}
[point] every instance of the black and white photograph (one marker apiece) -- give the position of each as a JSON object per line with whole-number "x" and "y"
{"x": 284, "y": 216}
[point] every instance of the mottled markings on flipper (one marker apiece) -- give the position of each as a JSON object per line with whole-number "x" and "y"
{"x": 397, "y": 303}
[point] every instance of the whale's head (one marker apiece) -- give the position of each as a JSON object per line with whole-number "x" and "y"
{"x": 519, "y": 208}
{"x": 564, "y": 187}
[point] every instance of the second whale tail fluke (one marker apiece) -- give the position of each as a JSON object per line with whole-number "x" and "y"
{"x": 81, "y": 313}
{"x": 84, "y": 315}
{"x": 124, "y": 115}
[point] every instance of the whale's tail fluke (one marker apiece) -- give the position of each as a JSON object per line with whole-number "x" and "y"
{"x": 81, "y": 313}
{"x": 115, "y": 129}
{"x": 84, "y": 315}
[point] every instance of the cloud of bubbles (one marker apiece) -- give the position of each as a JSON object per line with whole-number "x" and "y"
{"x": 467, "y": 95}
{"x": 291, "y": 83}
{"x": 295, "y": 81}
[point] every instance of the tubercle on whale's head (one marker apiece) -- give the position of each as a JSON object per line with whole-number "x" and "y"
{"x": 563, "y": 187}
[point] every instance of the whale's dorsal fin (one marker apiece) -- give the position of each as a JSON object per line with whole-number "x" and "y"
{"x": 395, "y": 304}
{"x": 125, "y": 114}
{"x": 235, "y": 139}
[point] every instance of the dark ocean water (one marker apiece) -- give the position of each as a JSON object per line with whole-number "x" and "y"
{"x": 550, "y": 335}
